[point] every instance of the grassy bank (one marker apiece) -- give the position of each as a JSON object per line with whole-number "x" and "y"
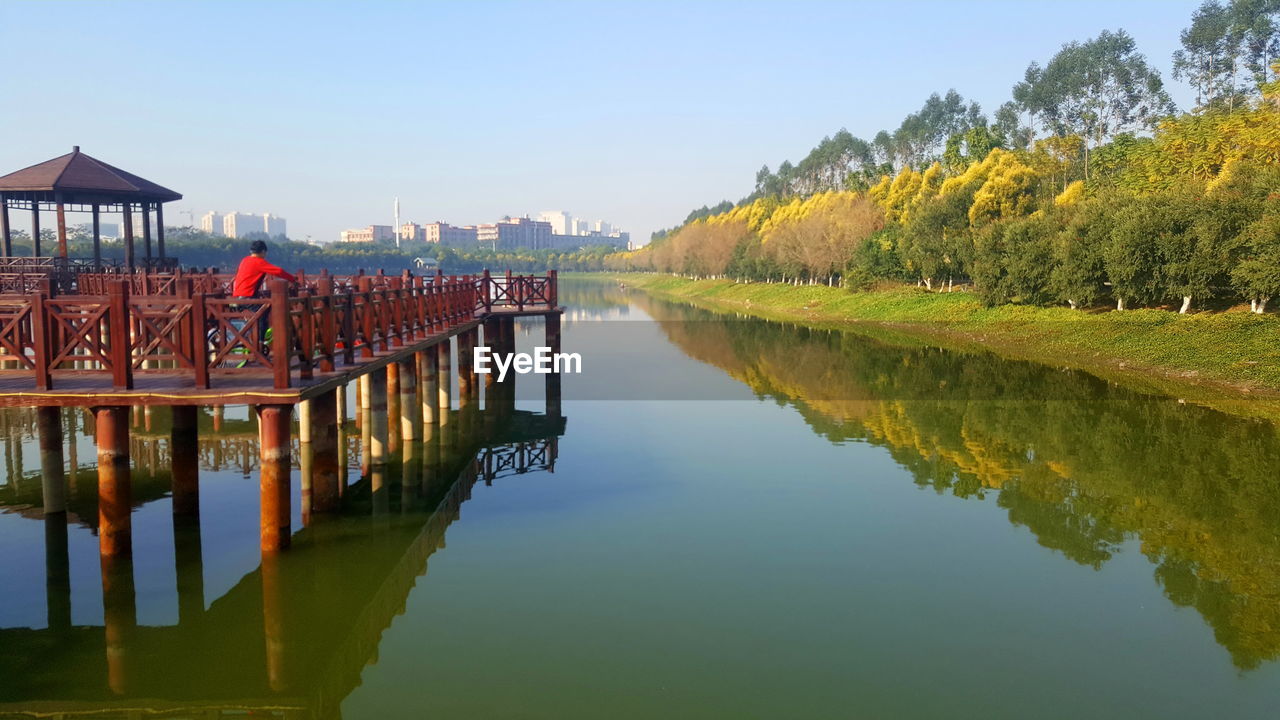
{"x": 1228, "y": 360}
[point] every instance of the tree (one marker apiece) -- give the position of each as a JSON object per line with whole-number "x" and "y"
{"x": 1226, "y": 50}
{"x": 1257, "y": 274}
{"x": 1095, "y": 89}
{"x": 1131, "y": 256}
{"x": 1078, "y": 276}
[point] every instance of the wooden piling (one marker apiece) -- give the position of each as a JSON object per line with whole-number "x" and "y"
{"x": 274, "y": 423}
{"x": 410, "y": 416}
{"x": 393, "y": 408}
{"x": 114, "y": 480}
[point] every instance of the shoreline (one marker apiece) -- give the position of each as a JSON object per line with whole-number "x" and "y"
{"x": 1228, "y": 361}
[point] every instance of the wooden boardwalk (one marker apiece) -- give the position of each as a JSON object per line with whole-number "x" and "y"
{"x": 172, "y": 339}
{"x": 228, "y": 386}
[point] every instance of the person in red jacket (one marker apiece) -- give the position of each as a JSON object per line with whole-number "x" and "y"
{"x": 248, "y": 284}
{"x": 253, "y": 269}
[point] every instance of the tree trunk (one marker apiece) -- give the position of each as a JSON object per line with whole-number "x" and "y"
{"x": 928, "y": 284}
{"x": 1119, "y": 303}
{"x": 1253, "y": 305}
{"x": 1073, "y": 304}
{"x": 1262, "y": 305}
{"x": 1186, "y": 305}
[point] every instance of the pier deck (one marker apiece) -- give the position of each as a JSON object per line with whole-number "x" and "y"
{"x": 244, "y": 386}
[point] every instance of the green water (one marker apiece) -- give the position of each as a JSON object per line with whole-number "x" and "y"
{"x": 735, "y": 519}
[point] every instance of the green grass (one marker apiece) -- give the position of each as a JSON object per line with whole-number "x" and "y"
{"x": 1229, "y": 360}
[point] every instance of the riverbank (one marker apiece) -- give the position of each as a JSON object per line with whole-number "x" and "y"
{"x": 1226, "y": 360}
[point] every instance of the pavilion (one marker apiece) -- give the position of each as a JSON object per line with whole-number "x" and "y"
{"x": 78, "y": 183}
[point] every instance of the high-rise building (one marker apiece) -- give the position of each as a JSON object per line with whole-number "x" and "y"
{"x": 211, "y": 222}
{"x": 274, "y": 224}
{"x": 243, "y": 225}
{"x": 561, "y": 221}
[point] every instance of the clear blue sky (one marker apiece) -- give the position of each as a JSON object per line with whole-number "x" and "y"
{"x": 632, "y": 112}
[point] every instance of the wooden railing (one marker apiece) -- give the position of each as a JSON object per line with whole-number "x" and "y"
{"x": 185, "y": 323}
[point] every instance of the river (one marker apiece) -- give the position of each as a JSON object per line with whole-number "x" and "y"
{"x": 733, "y": 518}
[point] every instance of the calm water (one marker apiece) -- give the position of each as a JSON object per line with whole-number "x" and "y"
{"x": 735, "y": 519}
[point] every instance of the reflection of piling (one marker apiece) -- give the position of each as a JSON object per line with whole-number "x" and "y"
{"x": 185, "y": 455}
{"x": 119, "y": 614}
{"x": 362, "y": 421}
{"x": 53, "y": 481}
{"x": 57, "y": 571}
{"x": 377, "y": 420}
{"x": 188, "y": 563}
{"x": 273, "y": 622}
{"x": 274, "y": 425}
{"x": 444, "y": 399}
{"x": 553, "y": 378}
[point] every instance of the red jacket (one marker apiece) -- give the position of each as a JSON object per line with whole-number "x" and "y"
{"x": 250, "y": 273}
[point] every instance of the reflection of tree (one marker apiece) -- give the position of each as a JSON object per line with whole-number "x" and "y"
{"x": 1081, "y": 465}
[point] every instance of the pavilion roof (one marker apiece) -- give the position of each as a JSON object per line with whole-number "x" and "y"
{"x": 83, "y": 178}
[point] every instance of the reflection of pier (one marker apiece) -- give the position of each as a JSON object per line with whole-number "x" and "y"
{"x": 292, "y": 636}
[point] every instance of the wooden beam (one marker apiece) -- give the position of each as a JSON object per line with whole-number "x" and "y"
{"x": 97, "y": 237}
{"x": 6, "y": 232}
{"x": 160, "y": 230}
{"x": 128, "y": 236}
{"x": 35, "y": 228}
{"x": 62, "y": 228}
{"x": 146, "y": 232}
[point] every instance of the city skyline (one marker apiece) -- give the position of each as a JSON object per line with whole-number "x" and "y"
{"x": 644, "y": 142}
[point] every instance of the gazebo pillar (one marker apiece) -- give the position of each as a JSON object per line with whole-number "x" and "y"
{"x": 146, "y": 233}
{"x": 128, "y": 235}
{"x": 97, "y": 237}
{"x": 160, "y": 230}
{"x": 35, "y": 227}
{"x": 62, "y": 226}
{"x": 6, "y": 233}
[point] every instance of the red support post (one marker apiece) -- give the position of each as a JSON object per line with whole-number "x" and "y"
{"x": 280, "y": 327}
{"x": 40, "y": 338}
{"x": 367, "y": 320}
{"x": 118, "y": 329}
{"x": 199, "y": 340}
{"x": 274, "y": 425}
{"x": 306, "y": 337}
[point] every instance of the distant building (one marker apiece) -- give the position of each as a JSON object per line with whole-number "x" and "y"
{"x": 510, "y": 233}
{"x": 561, "y": 221}
{"x": 275, "y": 225}
{"x": 243, "y": 225}
{"x": 211, "y": 222}
{"x": 372, "y": 233}
{"x": 442, "y": 233}
{"x": 413, "y": 232}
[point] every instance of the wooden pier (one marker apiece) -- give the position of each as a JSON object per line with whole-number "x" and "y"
{"x": 150, "y": 338}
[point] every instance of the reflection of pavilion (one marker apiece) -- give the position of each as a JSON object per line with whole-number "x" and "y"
{"x": 292, "y": 636}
